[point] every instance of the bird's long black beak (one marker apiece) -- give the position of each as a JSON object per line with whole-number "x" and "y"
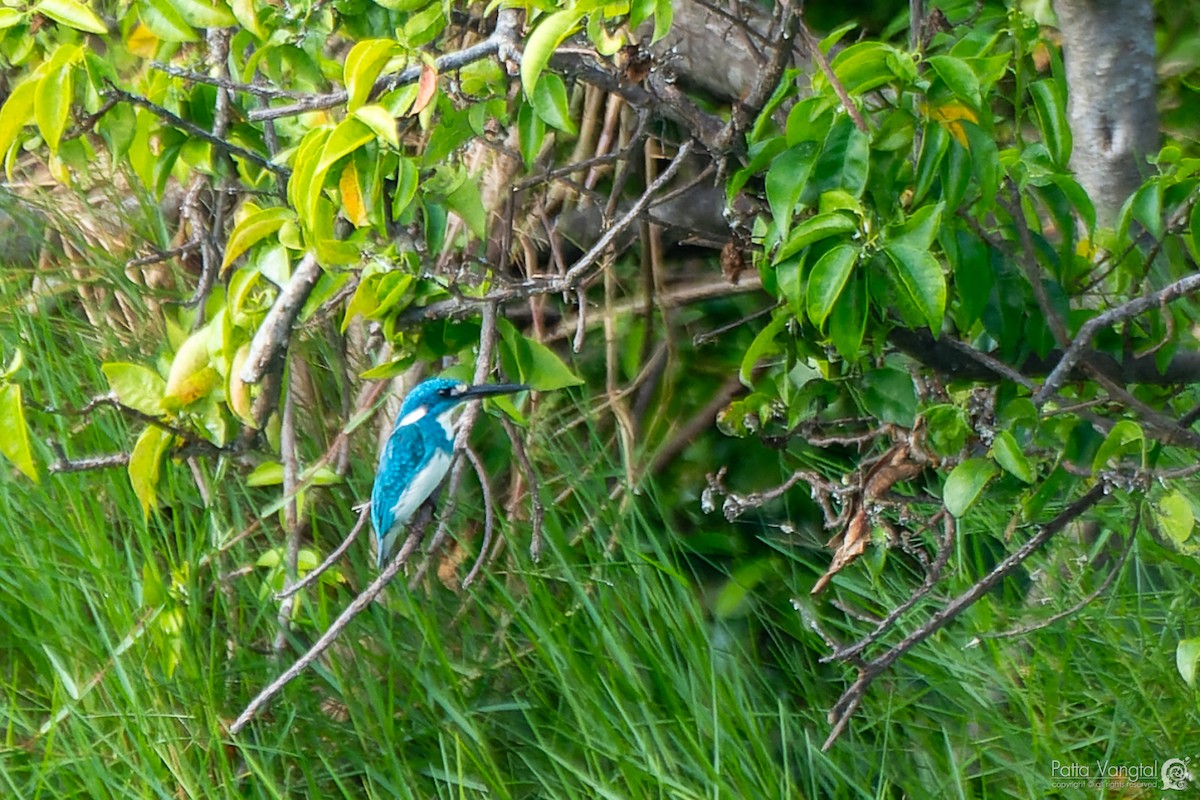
{"x": 487, "y": 389}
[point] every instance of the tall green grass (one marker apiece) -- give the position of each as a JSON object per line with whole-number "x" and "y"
{"x": 607, "y": 670}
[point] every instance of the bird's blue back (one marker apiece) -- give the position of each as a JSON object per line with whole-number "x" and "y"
{"x": 414, "y": 460}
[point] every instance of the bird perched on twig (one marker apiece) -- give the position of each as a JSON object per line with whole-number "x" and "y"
{"x": 418, "y": 453}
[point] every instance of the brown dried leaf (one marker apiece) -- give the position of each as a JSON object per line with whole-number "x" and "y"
{"x": 426, "y": 87}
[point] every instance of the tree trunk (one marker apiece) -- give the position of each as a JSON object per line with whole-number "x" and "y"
{"x": 1108, "y": 48}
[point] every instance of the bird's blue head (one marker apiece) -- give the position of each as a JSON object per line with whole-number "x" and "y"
{"x": 432, "y": 398}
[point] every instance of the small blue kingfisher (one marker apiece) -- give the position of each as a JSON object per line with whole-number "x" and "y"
{"x": 418, "y": 453}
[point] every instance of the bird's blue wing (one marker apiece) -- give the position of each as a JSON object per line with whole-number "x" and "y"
{"x": 410, "y": 469}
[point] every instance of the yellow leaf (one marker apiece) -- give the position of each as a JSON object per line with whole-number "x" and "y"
{"x": 353, "y": 204}
{"x": 948, "y": 116}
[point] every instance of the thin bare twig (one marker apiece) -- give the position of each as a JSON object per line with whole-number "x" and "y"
{"x": 489, "y": 516}
{"x": 1075, "y": 608}
{"x": 843, "y": 710}
{"x": 322, "y": 644}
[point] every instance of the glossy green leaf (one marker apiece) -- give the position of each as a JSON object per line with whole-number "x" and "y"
{"x": 252, "y": 229}
{"x": 1176, "y": 517}
{"x": 407, "y": 180}
{"x": 764, "y": 345}
{"x": 922, "y": 278}
{"x": 73, "y": 14}
{"x": 161, "y": 19}
{"x": 14, "y": 434}
{"x": 1121, "y": 440}
{"x": 202, "y": 14}
{"x": 1146, "y": 208}
{"x": 51, "y": 104}
{"x": 929, "y": 161}
{"x": 10, "y": 17}
{"x": 545, "y": 39}
{"x": 1008, "y": 454}
{"x": 1051, "y": 113}
{"x": 814, "y": 229}
{"x": 828, "y": 279}
{"x": 364, "y": 62}
{"x": 958, "y": 76}
{"x": 985, "y": 163}
{"x": 864, "y": 66}
{"x": 848, "y": 320}
{"x": 552, "y": 105}
{"x": 349, "y": 135}
{"x": 532, "y": 132}
{"x": 786, "y": 179}
{"x": 467, "y": 202}
{"x": 145, "y": 465}
{"x": 965, "y": 483}
{"x": 16, "y": 112}
{"x": 918, "y": 231}
{"x": 844, "y": 162}
{"x": 1187, "y": 655}
{"x": 268, "y": 473}
{"x": 380, "y": 121}
{"x": 136, "y": 386}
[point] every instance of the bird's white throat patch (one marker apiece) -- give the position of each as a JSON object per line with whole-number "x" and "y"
{"x": 416, "y": 415}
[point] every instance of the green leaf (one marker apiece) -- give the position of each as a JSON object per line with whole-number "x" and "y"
{"x": 136, "y": 386}
{"x": 348, "y": 136}
{"x": 664, "y": 15}
{"x": 10, "y": 17}
{"x": 552, "y": 105}
{"x": 16, "y": 112}
{"x": 864, "y": 66}
{"x": 364, "y": 62}
{"x": 764, "y": 345}
{"x": 890, "y": 396}
{"x": 542, "y": 43}
{"x": 1052, "y": 119}
{"x": 1176, "y": 517}
{"x": 918, "y": 231}
{"x": 467, "y": 203}
{"x": 252, "y": 229}
{"x": 959, "y": 77}
{"x": 814, "y": 229}
{"x": 14, "y": 434}
{"x": 828, "y": 279}
{"x": 786, "y": 179}
{"x": 304, "y": 187}
{"x": 381, "y": 121}
{"x": 407, "y": 180}
{"x": 531, "y": 130}
{"x": 985, "y": 162}
{"x": 1187, "y": 654}
{"x": 923, "y": 281}
{"x": 51, "y": 103}
{"x": 848, "y": 321}
{"x": 534, "y": 363}
{"x": 1008, "y": 454}
{"x": 145, "y": 463}
{"x": 1119, "y": 442}
{"x": 73, "y": 14}
{"x": 845, "y": 159}
{"x": 268, "y": 473}
{"x": 933, "y": 149}
{"x": 161, "y": 18}
{"x": 203, "y": 15}
{"x": 1147, "y": 208}
{"x": 965, "y": 484}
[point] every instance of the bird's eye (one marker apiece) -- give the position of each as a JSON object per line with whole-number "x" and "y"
{"x": 446, "y": 392}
